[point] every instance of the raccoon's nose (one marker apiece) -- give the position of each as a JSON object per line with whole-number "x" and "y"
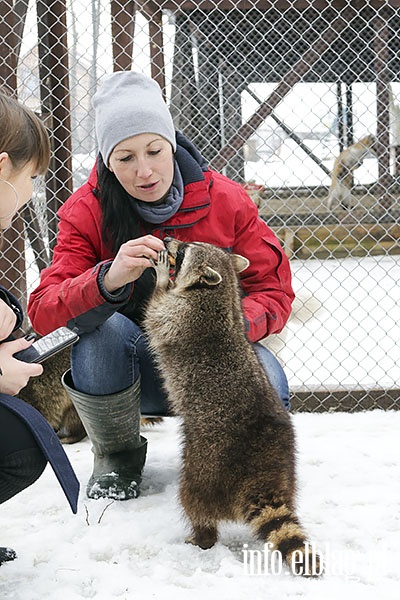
{"x": 167, "y": 240}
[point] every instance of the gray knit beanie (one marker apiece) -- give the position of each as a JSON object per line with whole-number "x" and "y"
{"x": 127, "y": 104}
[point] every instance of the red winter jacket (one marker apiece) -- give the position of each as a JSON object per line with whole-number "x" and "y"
{"x": 214, "y": 210}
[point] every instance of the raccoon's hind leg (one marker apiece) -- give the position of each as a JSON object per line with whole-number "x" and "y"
{"x": 204, "y": 536}
{"x": 199, "y": 505}
{"x": 162, "y": 270}
{"x": 272, "y": 520}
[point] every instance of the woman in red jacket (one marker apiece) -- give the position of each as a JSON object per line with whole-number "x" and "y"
{"x": 149, "y": 182}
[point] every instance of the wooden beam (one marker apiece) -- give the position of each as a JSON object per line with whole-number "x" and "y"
{"x": 264, "y": 5}
{"x": 153, "y": 13}
{"x": 339, "y": 102}
{"x": 293, "y": 135}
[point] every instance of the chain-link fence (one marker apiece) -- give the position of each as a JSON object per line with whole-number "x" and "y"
{"x": 298, "y": 101}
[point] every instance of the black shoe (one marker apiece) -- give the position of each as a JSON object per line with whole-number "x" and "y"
{"x": 7, "y": 554}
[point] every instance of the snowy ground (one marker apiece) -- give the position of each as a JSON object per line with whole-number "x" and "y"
{"x": 349, "y": 489}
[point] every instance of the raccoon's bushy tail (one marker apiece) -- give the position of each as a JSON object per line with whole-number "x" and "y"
{"x": 275, "y": 522}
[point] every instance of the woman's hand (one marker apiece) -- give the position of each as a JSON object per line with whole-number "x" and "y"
{"x": 8, "y": 320}
{"x": 132, "y": 259}
{"x": 16, "y": 373}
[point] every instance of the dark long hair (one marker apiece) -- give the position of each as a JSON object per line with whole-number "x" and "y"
{"x": 120, "y": 221}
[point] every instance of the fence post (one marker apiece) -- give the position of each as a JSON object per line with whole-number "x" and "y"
{"x": 381, "y": 48}
{"x": 54, "y": 91}
{"x": 12, "y": 259}
{"x": 122, "y": 33}
{"x": 154, "y": 15}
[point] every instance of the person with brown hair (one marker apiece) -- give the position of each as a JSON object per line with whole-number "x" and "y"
{"x": 27, "y": 442}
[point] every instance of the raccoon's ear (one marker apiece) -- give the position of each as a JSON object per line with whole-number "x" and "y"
{"x": 210, "y": 277}
{"x": 240, "y": 263}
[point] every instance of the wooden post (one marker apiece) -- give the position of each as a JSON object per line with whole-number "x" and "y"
{"x": 349, "y": 115}
{"x": 8, "y": 42}
{"x": 397, "y": 163}
{"x": 349, "y": 123}
{"x": 339, "y": 103}
{"x": 153, "y": 14}
{"x": 12, "y": 257}
{"x": 122, "y": 31}
{"x": 55, "y": 98}
{"x": 183, "y": 84}
{"x": 381, "y": 47}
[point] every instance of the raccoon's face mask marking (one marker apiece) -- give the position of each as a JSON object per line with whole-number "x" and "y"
{"x": 180, "y": 255}
{"x": 176, "y": 254}
{"x": 195, "y": 264}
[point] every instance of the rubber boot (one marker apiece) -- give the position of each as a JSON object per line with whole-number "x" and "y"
{"x": 112, "y": 423}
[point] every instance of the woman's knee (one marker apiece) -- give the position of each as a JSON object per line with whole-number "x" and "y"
{"x": 153, "y": 396}
{"x": 104, "y": 360}
{"x": 275, "y": 373}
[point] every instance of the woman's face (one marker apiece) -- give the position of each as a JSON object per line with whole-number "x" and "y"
{"x": 144, "y": 166}
{"x": 15, "y": 188}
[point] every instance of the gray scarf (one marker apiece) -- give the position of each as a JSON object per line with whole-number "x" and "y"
{"x": 159, "y": 213}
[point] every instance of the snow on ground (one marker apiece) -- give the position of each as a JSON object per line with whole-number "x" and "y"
{"x": 349, "y": 489}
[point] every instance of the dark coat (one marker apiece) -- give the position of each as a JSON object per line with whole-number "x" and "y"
{"x": 41, "y": 430}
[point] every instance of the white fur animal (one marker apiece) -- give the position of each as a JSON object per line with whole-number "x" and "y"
{"x": 348, "y": 160}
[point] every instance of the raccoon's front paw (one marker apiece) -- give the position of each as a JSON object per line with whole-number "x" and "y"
{"x": 162, "y": 270}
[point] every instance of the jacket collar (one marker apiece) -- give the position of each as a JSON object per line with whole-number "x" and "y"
{"x": 197, "y": 182}
{"x": 191, "y": 163}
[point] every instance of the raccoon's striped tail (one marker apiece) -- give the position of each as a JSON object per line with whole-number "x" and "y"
{"x": 276, "y": 523}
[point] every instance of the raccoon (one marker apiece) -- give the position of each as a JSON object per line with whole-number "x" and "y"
{"x": 342, "y": 174}
{"x": 238, "y": 439}
{"x": 47, "y": 394}
{"x": 49, "y": 397}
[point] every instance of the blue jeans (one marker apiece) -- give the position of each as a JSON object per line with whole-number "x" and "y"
{"x": 110, "y": 358}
